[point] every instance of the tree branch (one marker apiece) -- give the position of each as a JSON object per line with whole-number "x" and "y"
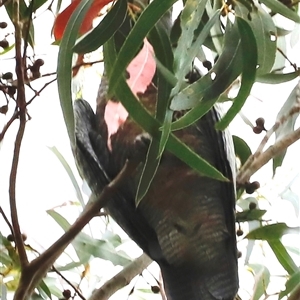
{"x": 255, "y": 162}
{"x": 21, "y": 106}
{"x": 37, "y": 269}
{"x": 122, "y": 279}
{"x": 260, "y": 158}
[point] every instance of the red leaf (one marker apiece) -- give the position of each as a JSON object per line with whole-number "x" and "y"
{"x": 141, "y": 71}
{"x": 63, "y": 18}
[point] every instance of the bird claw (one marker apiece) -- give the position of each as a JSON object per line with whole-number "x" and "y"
{"x": 141, "y": 145}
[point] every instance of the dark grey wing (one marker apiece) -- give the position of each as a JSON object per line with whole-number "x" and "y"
{"x": 92, "y": 158}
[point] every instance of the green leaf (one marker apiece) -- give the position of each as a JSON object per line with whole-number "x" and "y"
{"x": 163, "y": 52}
{"x": 43, "y": 289}
{"x": 64, "y": 65}
{"x": 249, "y": 53}
{"x": 189, "y": 20}
{"x": 105, "y": 29}
{"x": 7, "y": 49}
{"x": 292, "y": 283}
{"x": 65, "y": 225}
{"x": 194, "y": 114}
{"x": 5, "y": 259}
{"x": 278, "y": 7}
{"x": 272, "y": 232}
{"x": 166, "y": 130}
{"x": 142, "y": 117}
{"x": 242, "y": 150}
{"x": 264, "y": 31}
{"x": 292, "y": 197}
{"x": 183, "y": 152}
{"x": 227, "y": 68}
{"x": 69, "y": 266}
{"x": 273, "y": 78}
{"x": 85, "y": 246}
{"x": 70, "y": 173}
{"x": 25, "y": 14}
{"x": 283, "y": 256}
{"x": 104, "y": 250}
{"x": 149, "y": 17}
{"x": 288, "y": 126}
{"x": 185, "y": 63}
{"x": 165, "y": 72}
{"x": 3, "y": 291}
{"x": 250, "y": 215}
{"x": 149, "y": 170}
{"x": 262, "y": 280}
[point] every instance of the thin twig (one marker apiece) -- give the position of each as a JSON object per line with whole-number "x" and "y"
{"x": 90, "y": 63}
{"x": 16, "y": 113}
{"x": 69, "y": 283}
{"x": 283, "y": 54}
{"x": 21, "y": 105}
{"x": 7, "y": 125}
{"x": 38, "y": 92}
{"x": 6, "y": 220}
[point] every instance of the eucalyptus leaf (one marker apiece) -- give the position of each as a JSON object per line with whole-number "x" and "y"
{"x": 149, "y": 170}
{"x": 191, "y": 52}
{"x": 242, "y": 150}
{"x": 3, "y": 291}
{"x": 264, "y": 31}
{"x": 163, "y": 53}
{"x": 272, "y": 232}
{"x": 149, "y": 17}
{"x": 227, "y": 68}
{"x": 292, "y": 197}
{"x": 70, "y": 173}
{"x": 292, "y": 283}
{"x": 288, "y": 126}
{"x": 283, "y": 256}
{"x": 85, "y": 246}
{"x": 25, "y": 14}
{"x": 275, "y": 78}
{"x": 194, "y": 114}
{"x": 64, "y": 65}
{"x": 277, "y": 7}
{"x": 105, "y": 29}
{"x": 216, "y": 41}
{"x": 249, "y": 53}
{"x": 189, "y": 20}
{"x": 43, "y": 289}
{"x": 262, "y": 280}
{"x": 77, "y": 244}
{"x": 249, "y": 215}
